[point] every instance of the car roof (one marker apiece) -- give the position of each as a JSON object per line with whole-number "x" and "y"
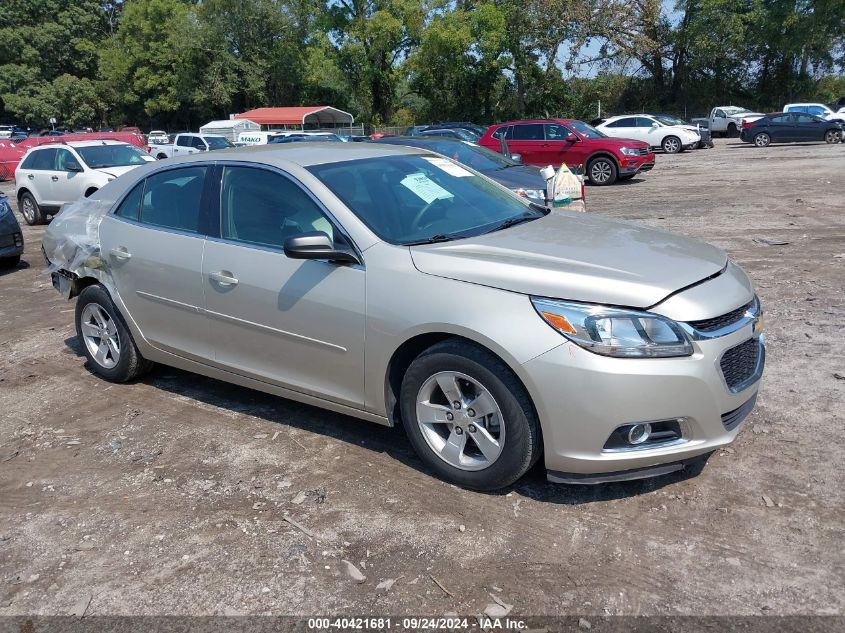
{"x": 398, "y": 140}
{"x": 627, "y": 116}
{"x": 515, "y": 122}
{"x": 90, "y": 143}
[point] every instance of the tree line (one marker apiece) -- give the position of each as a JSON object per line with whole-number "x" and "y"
{"x": 178, "y": 63}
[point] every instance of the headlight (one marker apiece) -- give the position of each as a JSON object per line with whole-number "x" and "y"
{"x": 613, "y": 331}
{"x": 535, "y": 194}
{"x": 630, "y": 151}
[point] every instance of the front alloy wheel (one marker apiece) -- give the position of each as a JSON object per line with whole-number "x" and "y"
{"x": 671, "y": 145}
{"x": 762, "y": 139}
{"x": 460, "y": 420}
{"x": 602, "y": 171}
{"x": 832, "y": 136}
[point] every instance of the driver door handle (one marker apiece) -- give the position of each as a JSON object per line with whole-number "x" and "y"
{"x": 54, "y": 178}
{"x": 224, "y": 278}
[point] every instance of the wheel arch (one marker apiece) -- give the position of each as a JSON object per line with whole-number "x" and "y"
{"x": 602, "y": 154}
{"x": 21, "y": 193}
{"x": 405, "y": 354}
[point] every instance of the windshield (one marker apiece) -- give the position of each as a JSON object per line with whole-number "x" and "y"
{"x": 98, "y": 156}
{"x": 669, "y": 120}
{"x": 217, "y": 142}
{"x": 419, "y": 198}
{"x": 734, "y": 110}
{"x": 471, "y": 155}
{"x": 585, "y": 130}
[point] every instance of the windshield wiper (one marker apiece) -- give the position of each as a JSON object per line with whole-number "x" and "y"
{"x": 431, "y": 240}
{"x": 513, "y": 222}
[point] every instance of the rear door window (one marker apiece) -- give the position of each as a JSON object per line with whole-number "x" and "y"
{"x": 172, "y": 199}
{"x": 528, "y": 132}
{"x": 183, "y": 141}
{"x": 41, "y": 159}
{"x": 130, "y": 208}
{"x": 506, "y": 131}
{"x": 644, "y": 122}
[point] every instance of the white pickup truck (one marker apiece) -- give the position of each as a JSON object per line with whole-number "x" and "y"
{"x": 189, "y": 143}
{"x": 727, "y": 120}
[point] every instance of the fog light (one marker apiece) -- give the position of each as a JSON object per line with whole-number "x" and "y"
{"x": 639, "y": 433}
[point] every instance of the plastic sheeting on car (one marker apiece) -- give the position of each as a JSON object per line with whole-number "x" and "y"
{"x": 72, "y": 240}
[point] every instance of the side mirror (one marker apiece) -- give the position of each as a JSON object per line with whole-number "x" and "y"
{"x": 654, "y": 124}
{"x": 571, "y": 138}
{"x": 72, "y": 165}
{"x": 517, "y": 158}
{"x": 317, "y": 245}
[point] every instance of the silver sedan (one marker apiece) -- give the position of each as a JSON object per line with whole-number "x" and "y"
{"x": 398, "y": 286}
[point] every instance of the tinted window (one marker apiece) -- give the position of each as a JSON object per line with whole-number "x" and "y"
{"x": 172, "y": 199}
{"x": 644, "y": 122}
{"x": 184, "y": 141}
{"x": 130, "y": 208}
{"x": 555, "y": 132}
{"x": 97, "y": 156}
{"x": 216, "y": 142}
{"x": 507, "y": 130}
{"x": 407, "y": 199}
{"x": 264, "y": 208}
{"x": 626, "y": 122}
{"x": 197, "y": 142}
{"x": 41, "y": 159}
{"x": 62, "y": 158}
{"x": 783, "y": 118}
{"x": 528, "y": 132}
{"x": 817, "y": 110}
{"x": 805, "y": 118}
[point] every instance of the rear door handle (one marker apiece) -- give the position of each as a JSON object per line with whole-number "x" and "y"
{"x": 224, "y": 278}
{"x": 121, "y": 253}
{"x": 30, "y": 176}
{"x": 54, "y": 178}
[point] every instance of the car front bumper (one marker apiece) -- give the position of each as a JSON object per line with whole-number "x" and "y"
{"x": 635, "y": 164}
{"x": 582, "y": 398}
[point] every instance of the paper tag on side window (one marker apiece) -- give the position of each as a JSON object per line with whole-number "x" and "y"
{"x": 425, "y": 188}
{"x": 448, "y": 166}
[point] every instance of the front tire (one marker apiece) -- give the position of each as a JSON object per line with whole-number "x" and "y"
{"x": 468, "y": 417}
{"x": 602, "y": 171}
{"x": 105, "y": 339}
{"x": 762, "y": 139}
{"x": 832, "y": 136}
{"x": 30, "y": 210}
{"x": 671, "y": 145}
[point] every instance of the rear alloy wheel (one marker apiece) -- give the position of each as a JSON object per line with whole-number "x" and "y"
{"x": 671, "y": 145}
{"x": 832, "y": 136}
{"x": 30, "y": 210}
{"x": 105, "y": 338}
{"x": 762, "y": 139}
{"x": 602, "y": 171}
{"x": 468, "y": 417}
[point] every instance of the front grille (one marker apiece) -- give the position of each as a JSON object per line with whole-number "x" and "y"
{"x": 645, "y": 151}
{"x": 717, "y": 323}
{"x": 731, "y": 419}
{"x": 740, "y": 363}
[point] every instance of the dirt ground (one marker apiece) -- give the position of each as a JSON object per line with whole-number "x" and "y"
{"x": 169, "y": 495}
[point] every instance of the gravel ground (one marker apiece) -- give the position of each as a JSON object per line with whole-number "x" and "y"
{"x": 170, "y": 495}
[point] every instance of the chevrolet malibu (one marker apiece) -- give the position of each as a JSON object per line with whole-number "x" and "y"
{"x": 398, "y": 286}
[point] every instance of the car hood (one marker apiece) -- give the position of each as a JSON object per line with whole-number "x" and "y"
{"x": 116, "y": 172}
{"x": 617, "y": 142}
{"x": 519, "y": 177}
{"x": 577, "y": 257}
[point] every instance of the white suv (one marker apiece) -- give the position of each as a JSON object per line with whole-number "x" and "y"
{"x": 817, "y": 109}
{"x": 55, "y": 173}
{"x": 645, "y": 127}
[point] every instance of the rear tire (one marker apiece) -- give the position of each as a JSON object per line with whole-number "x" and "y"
{"x": 671, "y": 145}
{"x": 10, "y": 262}
{"x": 510, "y": 435}
{"x": 30, "y": 210}
{"x": 732, "y": 131}
{"x": 761, "y": 139}
{"x": 105, "y": 339}
{"x": 602, "y": 171}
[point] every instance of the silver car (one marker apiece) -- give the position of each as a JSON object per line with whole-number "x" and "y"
{"x": 395, "y": 285}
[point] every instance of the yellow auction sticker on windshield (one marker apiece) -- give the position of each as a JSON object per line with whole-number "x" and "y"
{"x": 425, "y": 188}
{"x": 448, "y": 166}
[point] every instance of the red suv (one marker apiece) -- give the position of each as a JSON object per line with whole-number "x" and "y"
{"x": 555, "y": 141}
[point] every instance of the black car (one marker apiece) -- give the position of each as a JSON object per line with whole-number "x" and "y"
{"x": 11, "y": 238}
{"x": 790, "y": 127}
{"x": 703, "y": 131}
{"x": 523, "y": 179}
